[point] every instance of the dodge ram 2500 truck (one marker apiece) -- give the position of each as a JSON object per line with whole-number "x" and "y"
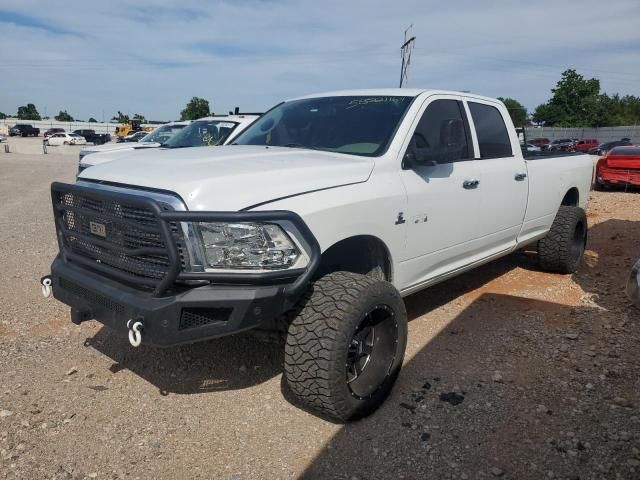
{"x": 316, "y": 220}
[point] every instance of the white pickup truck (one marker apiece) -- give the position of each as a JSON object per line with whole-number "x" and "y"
{"x": 315, "y": 221}
{"x": 215, "y": 130}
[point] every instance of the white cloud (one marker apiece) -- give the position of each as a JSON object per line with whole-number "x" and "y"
{"x": 87, "y": 57}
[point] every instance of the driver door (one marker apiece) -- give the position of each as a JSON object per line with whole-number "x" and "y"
{"x": 442, "y": 199}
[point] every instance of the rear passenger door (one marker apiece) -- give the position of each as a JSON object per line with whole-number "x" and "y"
{"x": 502, "y": 176}
{"x": 441, "y": 214}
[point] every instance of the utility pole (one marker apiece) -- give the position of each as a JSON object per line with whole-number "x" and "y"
{"x": 405, "y": 50}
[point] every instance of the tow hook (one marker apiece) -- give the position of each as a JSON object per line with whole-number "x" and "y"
{"x": 135, "y": 331}
{"x": 46, "y": 286}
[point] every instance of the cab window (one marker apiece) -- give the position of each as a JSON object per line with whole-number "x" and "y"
{"x": 441, "y": 134}
{"x": 493, "y": 137}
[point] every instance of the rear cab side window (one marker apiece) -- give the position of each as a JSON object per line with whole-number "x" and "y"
{"x": 492, "y": 133}
{"x": 442, "y": 134}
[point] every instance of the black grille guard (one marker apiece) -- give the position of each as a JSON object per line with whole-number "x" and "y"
{"x": 164, "y": 217}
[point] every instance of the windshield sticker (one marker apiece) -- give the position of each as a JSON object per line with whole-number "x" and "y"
{"x": 372, "y": 100}
{"x": 226, "y": 124}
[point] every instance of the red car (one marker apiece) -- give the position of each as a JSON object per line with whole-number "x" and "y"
{"x": 621, "y": 166}
{"x": 585, "y": 144}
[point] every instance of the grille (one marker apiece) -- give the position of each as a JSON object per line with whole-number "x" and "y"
{"x": 196, "y": 317}
{"x": 114, "y": 233}
{"x": 92, "y": 297}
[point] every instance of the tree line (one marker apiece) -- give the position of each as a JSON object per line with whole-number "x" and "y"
{"x": 578, "y": 102}
{"x": 196, "y": 108}
{"x": 575, "y": 102}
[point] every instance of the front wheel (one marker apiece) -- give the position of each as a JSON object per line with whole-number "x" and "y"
{"x": 561, "y": 250}
{"x": 345, "y": 346}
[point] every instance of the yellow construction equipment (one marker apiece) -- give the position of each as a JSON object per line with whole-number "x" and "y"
{"x": 134, "y": 125}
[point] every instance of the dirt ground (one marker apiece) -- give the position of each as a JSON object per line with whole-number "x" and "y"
{"x": 510, "y": 373}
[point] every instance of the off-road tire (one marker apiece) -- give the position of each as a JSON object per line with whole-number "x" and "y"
{"x": 319, "y": 338}
{"x": 561, "y": 250}
{"x": 274, "y": 331}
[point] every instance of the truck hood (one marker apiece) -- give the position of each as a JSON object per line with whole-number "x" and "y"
{"x": 232, "y": 178}
{"x": 115, "y": 147}
{"x": 98, "y": 157}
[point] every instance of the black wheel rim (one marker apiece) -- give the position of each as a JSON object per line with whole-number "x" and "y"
{"x": 371, "y": 352}
{"x": 577, "y": 245}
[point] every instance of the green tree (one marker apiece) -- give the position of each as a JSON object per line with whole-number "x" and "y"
{"x": 2, "y": 116}
{"x": 517, "y": 111}
{"x": 63, "y": 116}
{"x": 28, "y": 112}
{"x": 120, "y": 118}
{"x": 137, "y": 116}
{"x": 572, "y": 102}
{"x": 196, "y": 108}
{"x": 93, "y": 120}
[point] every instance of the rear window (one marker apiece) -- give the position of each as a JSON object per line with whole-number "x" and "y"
{"x": 625, "y": 151}
{"x": 493, "y": 137}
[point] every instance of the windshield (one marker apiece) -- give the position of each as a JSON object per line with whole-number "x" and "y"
{"x": 361, "y": 125}
{"x": 163, "y": 133}
{"x": 202, "y": 133}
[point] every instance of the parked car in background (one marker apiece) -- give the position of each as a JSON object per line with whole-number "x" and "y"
{"x": 533, "y": 148}
{"x": 3, "y": 138}
{"x": 153, "y": 139}
{"x": 92, "y": 137}
{"x": 133, "y": 137}
{"x": 633, "y": 285}
{"x": 586, "y": 144}
{"x": 603, "y": 148}
{"x": 539, "y": 142}
{"x": 208, "y": 131}
{"x": 65, "y": 139}
{"x": 561, "y": 145}
{"x": 53, "y": 131}
{"x": 24, "y": 130}
{"x": 621, "y": 166}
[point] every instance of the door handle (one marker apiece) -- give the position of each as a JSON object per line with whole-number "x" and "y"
{"x": 520, "y": 177}
{"x": 470, "y": 184}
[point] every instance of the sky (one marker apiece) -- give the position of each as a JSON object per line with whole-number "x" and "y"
{"x": 95, "y": 58}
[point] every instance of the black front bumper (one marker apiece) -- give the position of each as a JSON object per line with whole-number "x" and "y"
{"x": 104, "y": 280}
{"x": 195, "y": 314}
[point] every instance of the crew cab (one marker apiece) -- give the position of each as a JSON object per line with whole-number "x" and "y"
{"x": 313, "y": 224}
{"x": 620, "y": 166}
{"x": 91, "y": 136}
{"x": 24, "y": 130}
{"x": 208, "y": 131}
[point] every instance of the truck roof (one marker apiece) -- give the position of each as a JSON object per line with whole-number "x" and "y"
{"x": 392, "y": 92}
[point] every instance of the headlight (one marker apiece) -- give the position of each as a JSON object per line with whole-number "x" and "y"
{"x": 258, "y": 246}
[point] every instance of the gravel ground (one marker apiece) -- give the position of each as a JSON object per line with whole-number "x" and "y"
{"x": 510, "y": 373}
